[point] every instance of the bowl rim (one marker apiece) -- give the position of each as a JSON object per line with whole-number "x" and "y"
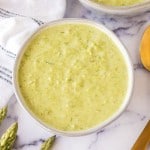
{"x": 98, "y": 127}
{"x": 117, "y": 10}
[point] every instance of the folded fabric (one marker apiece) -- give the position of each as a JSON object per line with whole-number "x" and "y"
{"x": 23, "y": 18}
{"x": 44, "y": 10}
{"x": 13, "y": 33}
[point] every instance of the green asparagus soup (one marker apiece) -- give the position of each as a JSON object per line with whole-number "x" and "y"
{"x": 118, "y": 2}
{"x": 72, "y": 76}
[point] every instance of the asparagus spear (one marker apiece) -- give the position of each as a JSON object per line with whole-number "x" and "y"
{"x": 48, "y": 143}
{"x": 3, "y": 113}
{"x": 8, "y": 138}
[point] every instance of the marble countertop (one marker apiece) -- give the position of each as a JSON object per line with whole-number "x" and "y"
{"x": 122, "y": 133}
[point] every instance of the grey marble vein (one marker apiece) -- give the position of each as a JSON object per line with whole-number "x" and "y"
{"x": 32, "y": 143}
{"x": 140, "y": 116}
{"x": 138, "y": 66}
{"x": 93, "y": 142}
{"x": 13, "y": 118}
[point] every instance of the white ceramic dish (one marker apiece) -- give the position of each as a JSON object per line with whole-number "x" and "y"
{"x": 122, "y": 50}
{"x": 121, "y": 10}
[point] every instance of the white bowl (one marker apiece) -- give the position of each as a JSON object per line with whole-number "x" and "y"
{"x": 117, "y": 10}
{"x": 109, "y": 120}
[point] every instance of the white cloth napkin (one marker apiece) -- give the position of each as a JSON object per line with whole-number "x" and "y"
{"x": 13, "y": 33}
{"x": 23, "y": 18}
{"x": 44, "y": 10}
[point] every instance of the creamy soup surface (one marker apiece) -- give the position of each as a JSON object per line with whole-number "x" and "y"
{"x": 119, "y": 2}
{"x": 72, "y": 76}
